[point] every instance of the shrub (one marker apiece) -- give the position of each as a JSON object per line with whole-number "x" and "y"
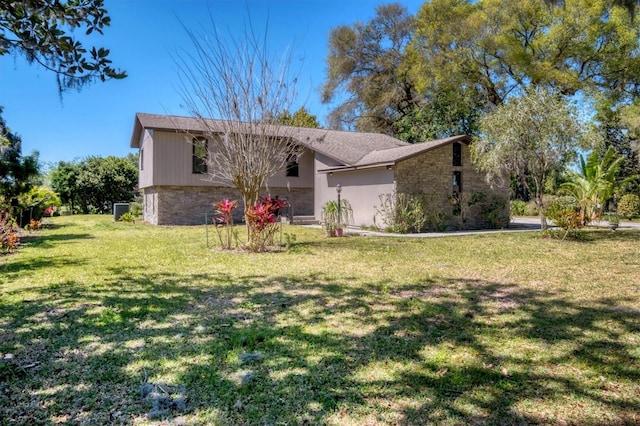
{"x": 135, "y": 209}
{"x": 402, "y": 213}
{"x": 493, "y": 211}
{"x": 263, "y": 222}
{"x": 565, "y": 214}
{"x": 629, "y": 206}
{"x": 9, "y": 238}
{"x": 224, "y": 218}
{"x": 518, "y": 207}
{"x": 127, "y": 217}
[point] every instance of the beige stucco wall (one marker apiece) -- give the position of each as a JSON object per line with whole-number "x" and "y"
{"x": 145, "y": 178}
{"x": 168, "y": 162}
{"x": 361, "y": 188}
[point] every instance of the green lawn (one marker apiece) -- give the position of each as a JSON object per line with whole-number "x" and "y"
{"x": 114, "y": 323}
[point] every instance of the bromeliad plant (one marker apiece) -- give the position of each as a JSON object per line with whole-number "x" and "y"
{"x": 224, "y": 219}
{"x": 263, "y": 222}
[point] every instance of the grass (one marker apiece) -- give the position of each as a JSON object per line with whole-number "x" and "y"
{"x": 114, "y": 323}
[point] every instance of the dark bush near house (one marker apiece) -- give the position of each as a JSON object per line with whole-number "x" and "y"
{"x": 629, "y": 206}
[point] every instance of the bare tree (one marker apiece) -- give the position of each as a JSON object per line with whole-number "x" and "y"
{"x": 244, "y": 87}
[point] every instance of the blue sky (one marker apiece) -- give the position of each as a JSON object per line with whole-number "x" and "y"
{"x": 98, "y": 120}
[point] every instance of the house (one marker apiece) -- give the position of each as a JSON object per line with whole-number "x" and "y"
{"x": 368, "y": 167}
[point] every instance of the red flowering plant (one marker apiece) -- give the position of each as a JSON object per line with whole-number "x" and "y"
{"x": 263, "y": 222}
{"x": 224, "y": 219}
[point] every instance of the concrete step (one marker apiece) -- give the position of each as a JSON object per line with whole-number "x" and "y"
{"x": 304, "y": 220}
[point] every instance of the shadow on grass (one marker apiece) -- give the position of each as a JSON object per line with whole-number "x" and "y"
{"x": 315, "y": 349}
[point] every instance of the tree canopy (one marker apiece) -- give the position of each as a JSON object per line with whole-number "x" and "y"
{"x": 18, "y": 173}
{"x": 528, "y": 136}
{"x": 42, "y": 30}
{"x": 95, "y": 183}
{"x": 366, "y": 64}
{"x": 301, "y": 118}
{"x": 505, "y": 47}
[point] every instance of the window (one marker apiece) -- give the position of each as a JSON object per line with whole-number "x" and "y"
{"x": 457, "y": 182}
{"x": 200, "y": 151}
{"x": 293, "y": 167}
{"x": 457, "y": 154}
{"x": 141, "y": 159}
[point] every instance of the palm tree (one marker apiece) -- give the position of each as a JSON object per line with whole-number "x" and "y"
{"x": 595, "y": 183}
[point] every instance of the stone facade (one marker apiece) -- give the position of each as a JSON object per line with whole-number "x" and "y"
{"x": 431, "y": 175}
{"x": 192, "y": 205}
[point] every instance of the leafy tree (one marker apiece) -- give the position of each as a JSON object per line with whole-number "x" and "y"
{"x": 95, "y": 183}
{"x": 366, "y": 61}
{"x": 33, "y": 204}
{"x": 42, "y": 31}
{"x": 505, "y": 47}
{"x": 63, "y": 181}
{"x": 17, "y": 172}
{"x": 241, "y": 84}
{"x": 443, "y": 113}
{"x": 595, "y": 183}
{"x": 529, "y": 137}
{"x": 618, "y": 131}
{"x": 300, "y": 118}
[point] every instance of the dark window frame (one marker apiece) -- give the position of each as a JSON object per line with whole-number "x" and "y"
{"x": 293, "y": 167}
{"x": 457, "y": 154}
{"x": 457, "y": 179}
{"x": 199, "y": 161}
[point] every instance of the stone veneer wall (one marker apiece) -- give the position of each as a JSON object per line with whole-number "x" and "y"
{"x": 431, "y": 173}
{"x": 187, "y": 205}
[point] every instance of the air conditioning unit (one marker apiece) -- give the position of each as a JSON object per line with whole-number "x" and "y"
{"x": 119, "y": 209}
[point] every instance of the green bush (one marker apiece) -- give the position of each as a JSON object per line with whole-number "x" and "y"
{"x": 518, "y": 207}
{"x": 629, "y": 206}
{"x": 135, "y": 208}
{"x": 565, "y": 214}
{"x": 127, "y": 217}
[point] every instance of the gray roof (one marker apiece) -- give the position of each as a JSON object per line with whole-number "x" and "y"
{"x": 392, "y": 155}
{"x": 353, "y": 149}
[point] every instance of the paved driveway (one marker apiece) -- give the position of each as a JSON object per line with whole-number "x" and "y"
{"x": 518, "y": 224}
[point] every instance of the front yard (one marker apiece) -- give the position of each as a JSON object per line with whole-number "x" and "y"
{"x": 113, "y": 323}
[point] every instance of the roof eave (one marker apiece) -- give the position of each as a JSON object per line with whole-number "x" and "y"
{"x": 339, "y": 169}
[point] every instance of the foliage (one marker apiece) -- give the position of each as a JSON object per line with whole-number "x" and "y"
{"x": 224, "y": 217}
{"x": 300, "y": 118}
{"x": 9, "y": 237}
{"x": 517, "y": 207}
{"x": 18, "y": 173}
{"x": 442, "y": 112}
{"x": 242, "y": 84}
{"x": 629, "y": 206}
{"x": 336, "y": 216}
{"x": 95, "y": 183}
{"x": 33, "y": 204}
{"x": 566, "y": 213}
{"x": 506, "y": 47}
{"x": 263, "y": 221}
{"x": 529, "y": 137}
{"x": 618, "y": 127}
{"x": 366, "y": 61}
{"x": 43, "y": 30}
{"x": 403, "y": 213}
{"x": 136, "y": 208}
{"x": 493, "y": 210}
{"x": 595, "y": 183}
{"x": 127, "y": 217}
